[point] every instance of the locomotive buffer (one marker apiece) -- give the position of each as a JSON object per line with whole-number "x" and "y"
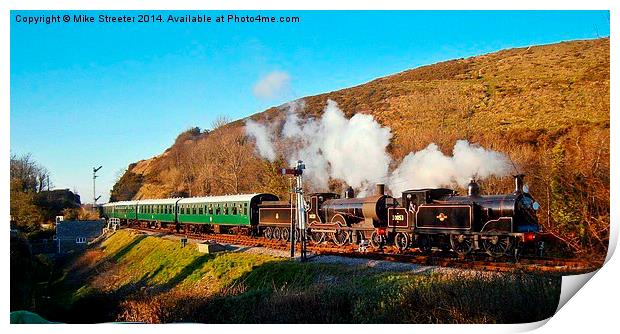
{"x": 300, "y": 217}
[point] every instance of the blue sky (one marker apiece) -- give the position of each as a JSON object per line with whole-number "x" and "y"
{"x": 85, "y": 95}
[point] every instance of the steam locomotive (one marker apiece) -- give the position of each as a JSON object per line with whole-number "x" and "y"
{"x": 421, "y": 218}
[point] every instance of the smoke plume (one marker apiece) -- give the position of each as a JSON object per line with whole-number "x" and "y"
{"x": 352, "y": 150}
{"x": 430, "y": 168}
{"x": 264, "y": 139}
{"x": 355, "y": 151}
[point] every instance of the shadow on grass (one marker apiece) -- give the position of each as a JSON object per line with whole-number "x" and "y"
{"x": 189, "y": 269}
{"x": 293, "y": 292}
{"x": 125, "y": 249}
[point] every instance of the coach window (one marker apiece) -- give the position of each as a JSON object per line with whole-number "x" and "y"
{"x": 201, "y": 210}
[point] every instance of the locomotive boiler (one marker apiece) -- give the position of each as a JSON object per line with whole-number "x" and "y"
{"x": 349, "y": 219}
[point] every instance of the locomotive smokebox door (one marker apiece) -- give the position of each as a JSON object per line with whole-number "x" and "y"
{"x": 454, "y": 217}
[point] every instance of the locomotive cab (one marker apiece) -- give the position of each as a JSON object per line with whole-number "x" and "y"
{"x": 417, "y": 197}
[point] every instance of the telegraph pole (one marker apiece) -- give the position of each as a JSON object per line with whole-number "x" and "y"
{"x": 95, "y": 198}
{"x": 297, "y": 172}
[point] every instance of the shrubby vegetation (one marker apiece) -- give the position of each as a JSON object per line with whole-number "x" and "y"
{"x": 28, "y": 178}
{"x": 33, "y": 202}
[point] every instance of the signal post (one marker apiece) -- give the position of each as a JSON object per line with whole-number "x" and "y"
{"x": 300, "y": 217}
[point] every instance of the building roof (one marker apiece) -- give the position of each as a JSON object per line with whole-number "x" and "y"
{"x": 79, "y": 228}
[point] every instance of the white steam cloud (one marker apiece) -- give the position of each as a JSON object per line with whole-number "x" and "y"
{"x": 263, "y": 137}
{"x": 430, "y": 168}
{"x": 352, "y": 150}
{"x": 272, "y": 85}
{"x": 355, "y": 151}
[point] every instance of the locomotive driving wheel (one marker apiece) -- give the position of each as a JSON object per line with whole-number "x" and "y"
{"x": 377, "y": 240}
{"x": 340, "y": 237}
{"x": 285, "y": 235}
{"x": 497, "y": 246}
{"x": 461, "y": 244}
{"x": 317, "y": 237}
{"x": 297, "y": 235}
{"x": 268, "y": 233}
{"x": 401, "y": 240}
{"x": 277, "y": 233}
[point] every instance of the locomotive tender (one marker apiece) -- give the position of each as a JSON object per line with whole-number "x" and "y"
{"x": 423, "y": 218}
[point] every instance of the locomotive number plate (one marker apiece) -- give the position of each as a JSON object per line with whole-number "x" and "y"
{"x": 398, "y": 217}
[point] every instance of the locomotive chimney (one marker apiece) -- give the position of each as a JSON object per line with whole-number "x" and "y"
{"x": 380, "y": 189}
{"x": 349, "y": 193}
{"x": 473, "y": 189}
{"x": 519, "y": 182}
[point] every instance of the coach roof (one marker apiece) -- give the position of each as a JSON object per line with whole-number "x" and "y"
{"x": 217, "y": 199}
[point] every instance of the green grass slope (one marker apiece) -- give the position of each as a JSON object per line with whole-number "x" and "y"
{"x": 133, "y": 277}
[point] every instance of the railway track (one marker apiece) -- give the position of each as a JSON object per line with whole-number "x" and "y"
{"x": 554, "y": 266}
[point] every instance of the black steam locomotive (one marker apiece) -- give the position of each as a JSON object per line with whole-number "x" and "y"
{"x": 423, "y": 218}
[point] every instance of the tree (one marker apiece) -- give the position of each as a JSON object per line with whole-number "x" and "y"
{"x": 28, "y": 175}
{"x": 27, "y": 179}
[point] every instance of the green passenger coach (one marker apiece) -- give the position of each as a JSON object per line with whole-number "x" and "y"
{"x": 238, "y": 210}
{"x": 160, "y": 210}
{"x": 230, "y": 210}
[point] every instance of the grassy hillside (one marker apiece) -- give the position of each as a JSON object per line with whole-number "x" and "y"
{"x": 132, "y": 277}
{"x": 547, "y": 107}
